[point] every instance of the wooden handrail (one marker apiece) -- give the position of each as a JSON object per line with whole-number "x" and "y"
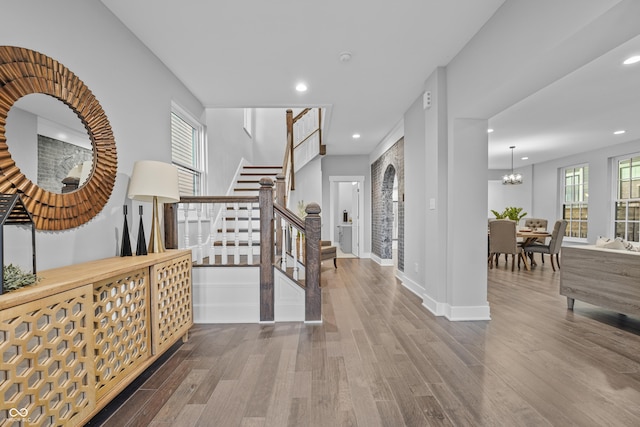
{"x": 301, "y": 114}
{"x": 272, "y": 212}
{"x": 289, "y": 216}
{"x": 287, "y": 165}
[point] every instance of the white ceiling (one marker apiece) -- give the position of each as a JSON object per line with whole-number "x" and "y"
{"x": 577, "y": 113}
{"x": 252, "y": 53}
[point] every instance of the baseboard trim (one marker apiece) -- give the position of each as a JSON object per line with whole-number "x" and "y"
{"x": 435, "y": 307}
{"x": 385, "y": 262}
{"x": 412, "y": 286}
{"x": 467, "y": 313}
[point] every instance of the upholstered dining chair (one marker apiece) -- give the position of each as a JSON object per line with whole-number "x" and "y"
{"x": 502, "y": 240}
{"x": 555, "y": 243}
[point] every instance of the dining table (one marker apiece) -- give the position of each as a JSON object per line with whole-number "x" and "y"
{"x": 529, "y": 236}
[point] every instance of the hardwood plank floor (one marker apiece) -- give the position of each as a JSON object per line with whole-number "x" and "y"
{"x": 381, "y": 359}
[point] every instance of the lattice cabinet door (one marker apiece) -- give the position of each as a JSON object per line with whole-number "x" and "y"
{"x": 172, "y": 305}
{"x": 121, "y": 329}
{"x": 46, "y": 375}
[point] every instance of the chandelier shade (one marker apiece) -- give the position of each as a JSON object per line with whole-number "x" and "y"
{"x": 512, "y": 178}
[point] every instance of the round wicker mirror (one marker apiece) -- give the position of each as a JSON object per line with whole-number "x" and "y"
{"x": 22, "y": 72}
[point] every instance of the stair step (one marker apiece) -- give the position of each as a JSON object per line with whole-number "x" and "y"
{"x": 261, "y": 174}
{"x": 261, "y": 167}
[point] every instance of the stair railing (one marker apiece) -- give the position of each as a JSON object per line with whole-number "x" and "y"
{"x": 304, "y": 143}
{"x": 282, "y": 235}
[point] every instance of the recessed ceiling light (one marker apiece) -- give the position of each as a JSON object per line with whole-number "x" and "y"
{"x": 355, "y": 136}
{"x": 524, "y": 158}
{"x": 632, "y": 60}
{"x": 619, "y": 132}
{"x": 489, "y": 130}
{"x": 301, "y": 87}
{"x": 345, "y": 56}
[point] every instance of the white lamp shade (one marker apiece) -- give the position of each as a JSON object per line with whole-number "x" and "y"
{"x": 151, "y": 179}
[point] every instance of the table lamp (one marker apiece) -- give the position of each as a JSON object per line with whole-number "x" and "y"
{"x": 154, "y": 182}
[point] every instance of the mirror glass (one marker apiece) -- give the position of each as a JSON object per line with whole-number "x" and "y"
{"x": 49, "y": 143}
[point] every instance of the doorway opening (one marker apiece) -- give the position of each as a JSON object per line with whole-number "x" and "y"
{"x": 345, "y": 218}
{"x": 389, "y": 229}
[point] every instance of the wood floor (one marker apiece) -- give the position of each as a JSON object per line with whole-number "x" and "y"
{"x": 380, "y": 359}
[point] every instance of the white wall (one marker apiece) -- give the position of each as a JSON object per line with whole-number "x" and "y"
{"x": 501, "y": 196}
{"x": 135, "y": 90}
{"x": 414, "y": 195}
{"x": 270, "y": 136}
{"x": 21, "y": 132}
{"x": 546, "y": 189}
{"x": 308, "y": 187}
{"x": 506, "y": 61}
{"x": 228, "y": 144}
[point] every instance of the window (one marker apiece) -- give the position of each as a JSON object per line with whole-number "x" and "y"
{"x": 627, "y": 200}
{"x": 576, "y": 195}
{"x": 187, "y": 152}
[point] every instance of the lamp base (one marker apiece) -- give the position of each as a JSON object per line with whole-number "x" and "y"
{"x": 155, "y": 239}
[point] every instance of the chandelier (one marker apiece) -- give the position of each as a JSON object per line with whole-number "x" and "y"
{"x": 512, "y": 178}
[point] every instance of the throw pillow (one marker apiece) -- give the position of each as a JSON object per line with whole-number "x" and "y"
{"x": 613, "y": 244}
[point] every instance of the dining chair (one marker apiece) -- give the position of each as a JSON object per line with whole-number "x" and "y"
{"x": 555, "y": 243}
{"x": 534, "y": 224}
{"x": 502, "y": 240}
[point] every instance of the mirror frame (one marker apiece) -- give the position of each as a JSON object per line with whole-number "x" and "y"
{"x": 23, "y": 72}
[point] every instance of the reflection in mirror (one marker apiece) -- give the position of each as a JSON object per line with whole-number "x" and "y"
{"x": 49, "y": 143}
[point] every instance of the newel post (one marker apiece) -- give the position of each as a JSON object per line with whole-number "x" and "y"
{"x": 171, "y": 225}
{"x": 313, "y": 296}
{"x": 281, "y": 191}
{"x": 265, "y": 199}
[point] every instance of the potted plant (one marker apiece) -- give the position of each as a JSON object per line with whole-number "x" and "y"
{"x": 14, "y": 278}
{"x": 511, "y": 212}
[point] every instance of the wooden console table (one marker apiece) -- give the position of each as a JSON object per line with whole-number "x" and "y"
{"x": 75, "y": 340}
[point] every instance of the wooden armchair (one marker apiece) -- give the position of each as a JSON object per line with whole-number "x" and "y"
{"x": 327, "y": 252}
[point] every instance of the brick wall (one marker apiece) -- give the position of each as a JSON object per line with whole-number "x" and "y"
{"x": 382, "y": 173}
{"x": 55, "y": 160}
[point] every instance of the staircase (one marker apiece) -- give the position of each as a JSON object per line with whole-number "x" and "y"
{"x": 237, "y": 231}
{"x": 248, "y": 182}
{"x": 251, "y": 227}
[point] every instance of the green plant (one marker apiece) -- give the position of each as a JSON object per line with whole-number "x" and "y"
{"x": 14, "y": 278}
{"x": 302, "y": 209}
{"x": 511, "y": 213}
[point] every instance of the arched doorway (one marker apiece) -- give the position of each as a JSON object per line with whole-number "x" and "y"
{"x": 389, "y": 212}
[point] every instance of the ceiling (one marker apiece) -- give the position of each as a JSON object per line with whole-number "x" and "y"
{"x": 252, "y": 53}
{"x": 577, "y": 113}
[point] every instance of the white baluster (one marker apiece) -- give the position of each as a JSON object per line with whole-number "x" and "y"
{"x": 300, "y": 251}
{"x": 283, "y": 255}
{"x": 250, "y": 233}
{"x": 236, "y": 236}
{"x": 211, "y": 252}
{"x": 224, "y": 235}
{"x": 294, "y": 251}
{"x": 185, "y": 210}
{"x": 199, "y": 237}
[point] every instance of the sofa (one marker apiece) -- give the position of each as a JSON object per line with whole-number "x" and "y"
{"x": 609, "y": 278}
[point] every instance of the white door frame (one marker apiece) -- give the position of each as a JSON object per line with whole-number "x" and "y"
{"x": 333, "y": 189}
